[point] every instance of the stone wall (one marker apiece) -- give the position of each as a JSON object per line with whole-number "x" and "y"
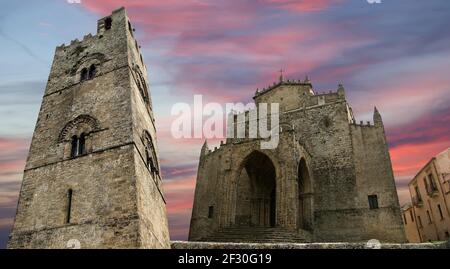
{"x": 115, "y": 201}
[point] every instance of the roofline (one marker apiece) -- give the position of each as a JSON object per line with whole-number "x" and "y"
{"x": 421, "y": 170}
{"x": 280, "y": 83}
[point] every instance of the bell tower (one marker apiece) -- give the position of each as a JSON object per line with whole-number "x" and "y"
{"x": 92, "y": 178}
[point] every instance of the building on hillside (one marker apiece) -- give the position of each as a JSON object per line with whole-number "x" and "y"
{"x": 430, "y": 196}
{"x": 409, "y": 220}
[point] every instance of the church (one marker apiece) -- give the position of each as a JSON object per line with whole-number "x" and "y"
{"x": 329, "y": 179}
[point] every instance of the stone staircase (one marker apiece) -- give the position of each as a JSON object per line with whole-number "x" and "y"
{"x": 259, "y": 235}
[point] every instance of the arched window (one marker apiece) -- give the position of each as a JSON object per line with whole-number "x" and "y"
{"x": 108, "y": 23}
{"x": 84, "y": 74}
{"x": 150, "y": 155}
{"x": 149, "y": 159}
{"x": 82, "y": 144}
{"x": 76, "y": 135}
{"x": 92, "y": 71}
{"x": 142, "y": 85}
{"x": 74, "y": 146}
{"x": 78, "y": 145}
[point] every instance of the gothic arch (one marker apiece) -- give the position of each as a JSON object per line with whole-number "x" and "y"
{"x": 141, "y": 83}
{"x": 305, "y": 196}
{"x": 83, "y": 123}
{"x": 256, "y": 188}
{"x": 150, "y": 153}
{"x": 247, "y": 154}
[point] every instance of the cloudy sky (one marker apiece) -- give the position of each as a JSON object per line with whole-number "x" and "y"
{"x": 394, "y": 55}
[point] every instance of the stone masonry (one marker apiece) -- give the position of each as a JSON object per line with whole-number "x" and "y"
{"x": 92, "y": 175}
{"x": 329, "y": 180}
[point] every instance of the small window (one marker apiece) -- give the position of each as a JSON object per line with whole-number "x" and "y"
{"x": 210, "y": 212}
{"x": 440, "y": 212}
{"x": 373, "y": 202}
{"x": 149, "y": 159}
{"x": 411, "y": 215}
{"x": 92, "y": 71}
{"x": 78, "y": 145}
{"x": 429, "y": 217}
{"x": 74, "y": 146}
{"x": 84, "y": 74}
{"x": 419, "y": 220}
{"x": 82, "y": 144}
{"x": 69, "y": 205}
{"x": 432, "y": 182}
{"x": 404, "y": 219}
{"x": 419, "y": 197}
{"x": 108, "y": 23}
{"x": 425, "y": 182}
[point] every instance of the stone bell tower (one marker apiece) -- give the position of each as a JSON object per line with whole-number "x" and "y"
{"x": 92, "y": 178}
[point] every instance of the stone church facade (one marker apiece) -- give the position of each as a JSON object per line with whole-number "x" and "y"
{"x": 92, "y": 178}
{"x": 330, "y": 178}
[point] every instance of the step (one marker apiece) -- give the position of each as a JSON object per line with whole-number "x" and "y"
{"x": 259, "y": 235}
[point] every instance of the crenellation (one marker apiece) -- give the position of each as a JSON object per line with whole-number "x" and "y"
{"x": 75, "y": 41}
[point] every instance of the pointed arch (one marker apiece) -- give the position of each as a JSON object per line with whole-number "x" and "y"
{"x": 150, "y": 153}
{"x": 305, "y": 202}
{"x": 141, "y": 83}
{"x": 256, "y": 191}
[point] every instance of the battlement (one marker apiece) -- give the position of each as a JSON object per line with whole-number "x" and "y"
{"x": 206, "y": 150}
{"x": 362, "y": 124}
{"x": 103, "y": 25}
{"x": 76, "y": 42}
{"x": 114, "y": 46}
{"x": 281, "y": 82}
{"x": 377, "y": 121}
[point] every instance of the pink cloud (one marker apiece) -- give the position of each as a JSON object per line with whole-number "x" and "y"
{"x": 13, "y": 153}
{"x": 176, "y": 16}
{"x": 304, "y": 5}
{"x": 408, "y": 159}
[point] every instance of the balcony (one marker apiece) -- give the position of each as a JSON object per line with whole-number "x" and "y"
{"x": 417, "y": 201}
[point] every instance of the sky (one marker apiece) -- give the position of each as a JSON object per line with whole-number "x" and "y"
{"x": 393, "y": 55}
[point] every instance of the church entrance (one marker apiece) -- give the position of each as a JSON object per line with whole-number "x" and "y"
{"x": 256, "y": 192}
{"x": 305, "y": 202}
